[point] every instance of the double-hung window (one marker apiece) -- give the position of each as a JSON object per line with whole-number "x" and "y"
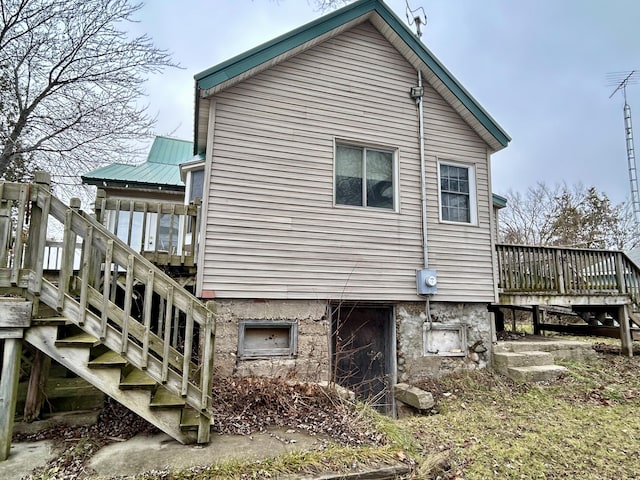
{"x": 457, "y": 193}
{"x": 365, "y": 177}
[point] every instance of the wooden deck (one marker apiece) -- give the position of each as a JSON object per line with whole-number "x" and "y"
{"x": 595, "y": 284}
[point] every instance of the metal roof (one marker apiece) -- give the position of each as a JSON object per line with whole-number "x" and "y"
{"x": 160, "y": 170}
{"x": 237, "y": 68}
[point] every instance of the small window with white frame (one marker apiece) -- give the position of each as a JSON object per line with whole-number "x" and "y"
{"x": 365, "y": 176}
{"x": 457, "y": 192}
{"x": 267, "y": 338}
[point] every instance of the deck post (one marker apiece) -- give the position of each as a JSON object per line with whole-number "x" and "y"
{"x": 626, "y": 347}
{"x": 9, "y": 392}
{"x": 99, "y": 205}
{"x": 538, "y": 316}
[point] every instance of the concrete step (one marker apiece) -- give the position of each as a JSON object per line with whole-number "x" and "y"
{"x": 535, "y": 373}
{"x": 560, "y": 349}
{"x": 503, "y": 360}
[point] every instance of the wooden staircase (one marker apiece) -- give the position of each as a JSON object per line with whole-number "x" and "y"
{"x": 155, "y": 359}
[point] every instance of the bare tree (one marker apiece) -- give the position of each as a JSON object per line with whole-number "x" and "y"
{"x": 527, "y": 219}
{"x": 567, "y": 216}
{"x": 325, "y": 5}
{"x": 71, "y": 79}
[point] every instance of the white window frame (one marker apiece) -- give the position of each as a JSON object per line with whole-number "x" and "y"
{"x": 473, "y": 202}
{"x": 367, "y": 146}
{"x": 288, "y": 352}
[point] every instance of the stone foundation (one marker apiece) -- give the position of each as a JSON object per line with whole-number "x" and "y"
{"x": 459, "y": 337}
{"x": 462, "y": 329}
{"x": 310, "y": 363}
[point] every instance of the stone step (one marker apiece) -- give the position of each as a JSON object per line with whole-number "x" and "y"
{"x": 535, "y": 373}
{"x": 560, "y": 349}
{"x": 504, "y": 360}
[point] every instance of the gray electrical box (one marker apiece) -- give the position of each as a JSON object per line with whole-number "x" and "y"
{"x": 426, "y": 282}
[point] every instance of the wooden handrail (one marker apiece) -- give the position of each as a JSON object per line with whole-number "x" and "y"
{"x": 170, "y": 334}
{"x": 144, "y": 220}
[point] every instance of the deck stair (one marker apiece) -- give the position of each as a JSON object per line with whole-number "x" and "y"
{"x": 534, "y": 360}
{"x": 118, "y": 321}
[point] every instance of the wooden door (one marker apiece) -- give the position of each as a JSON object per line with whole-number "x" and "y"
{"x": 361, "y": 342}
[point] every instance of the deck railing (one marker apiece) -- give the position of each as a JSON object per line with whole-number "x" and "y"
{"x": 566, "y": 271}
{"x": 165, "y": 233}
{"x": 118, "y": 295}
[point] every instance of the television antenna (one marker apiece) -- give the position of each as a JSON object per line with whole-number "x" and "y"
{"x": 622, "y": 80}
{"x": 417, "y": 17}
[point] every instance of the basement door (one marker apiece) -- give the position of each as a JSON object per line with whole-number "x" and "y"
{"x": 362, "y": 352}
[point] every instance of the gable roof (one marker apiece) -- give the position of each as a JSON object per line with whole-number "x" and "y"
{"x": 238, "y": 68}
{"x": 160, "y": 170}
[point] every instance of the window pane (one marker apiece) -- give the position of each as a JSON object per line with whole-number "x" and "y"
{"x": 197, "y": 185}
{"x": 348, "y": 175}
{"x": 379, "y": 179}
{"x": 168, "y": 233}
{"x": 454, "y": 193}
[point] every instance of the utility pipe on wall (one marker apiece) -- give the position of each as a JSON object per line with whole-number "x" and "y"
{"x": 423, "y": 185}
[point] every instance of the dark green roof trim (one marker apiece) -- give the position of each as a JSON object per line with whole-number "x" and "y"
{"x": 499, "y": 201}
{"x": 132, "y": 185}
{"x": 268, "y": 51}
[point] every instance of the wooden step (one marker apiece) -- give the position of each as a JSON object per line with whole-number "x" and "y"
{"x": 190, "y": 419}
{"x": 137, "y": 379}
{"x": 107, "y": 360}
{"x": 163, "y": 398}
{"x": 57, "y": 321}
{"x": 78, "y": 340}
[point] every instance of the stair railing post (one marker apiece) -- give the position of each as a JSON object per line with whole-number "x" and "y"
{"x": 68, "y": 252}
{"x": 5, "y": 233}
{"x": 38, "y": 233}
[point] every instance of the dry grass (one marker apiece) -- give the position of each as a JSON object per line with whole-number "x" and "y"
{"x": 586, "y": 425}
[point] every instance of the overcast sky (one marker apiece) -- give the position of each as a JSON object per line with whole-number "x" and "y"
{"x": 538, "y": 67}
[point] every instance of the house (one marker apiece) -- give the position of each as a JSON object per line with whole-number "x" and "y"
{"x": 157, "y": 180}
{"x": 347, "y": 230}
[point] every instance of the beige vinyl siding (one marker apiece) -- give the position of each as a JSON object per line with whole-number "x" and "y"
{"x": 272, "y": 229}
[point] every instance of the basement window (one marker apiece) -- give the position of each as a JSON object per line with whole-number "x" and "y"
{"x": 267, "y": 338}
{"x": 445, "y": 340}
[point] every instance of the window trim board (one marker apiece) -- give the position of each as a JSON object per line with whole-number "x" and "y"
{"x": 473, "y": 191}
